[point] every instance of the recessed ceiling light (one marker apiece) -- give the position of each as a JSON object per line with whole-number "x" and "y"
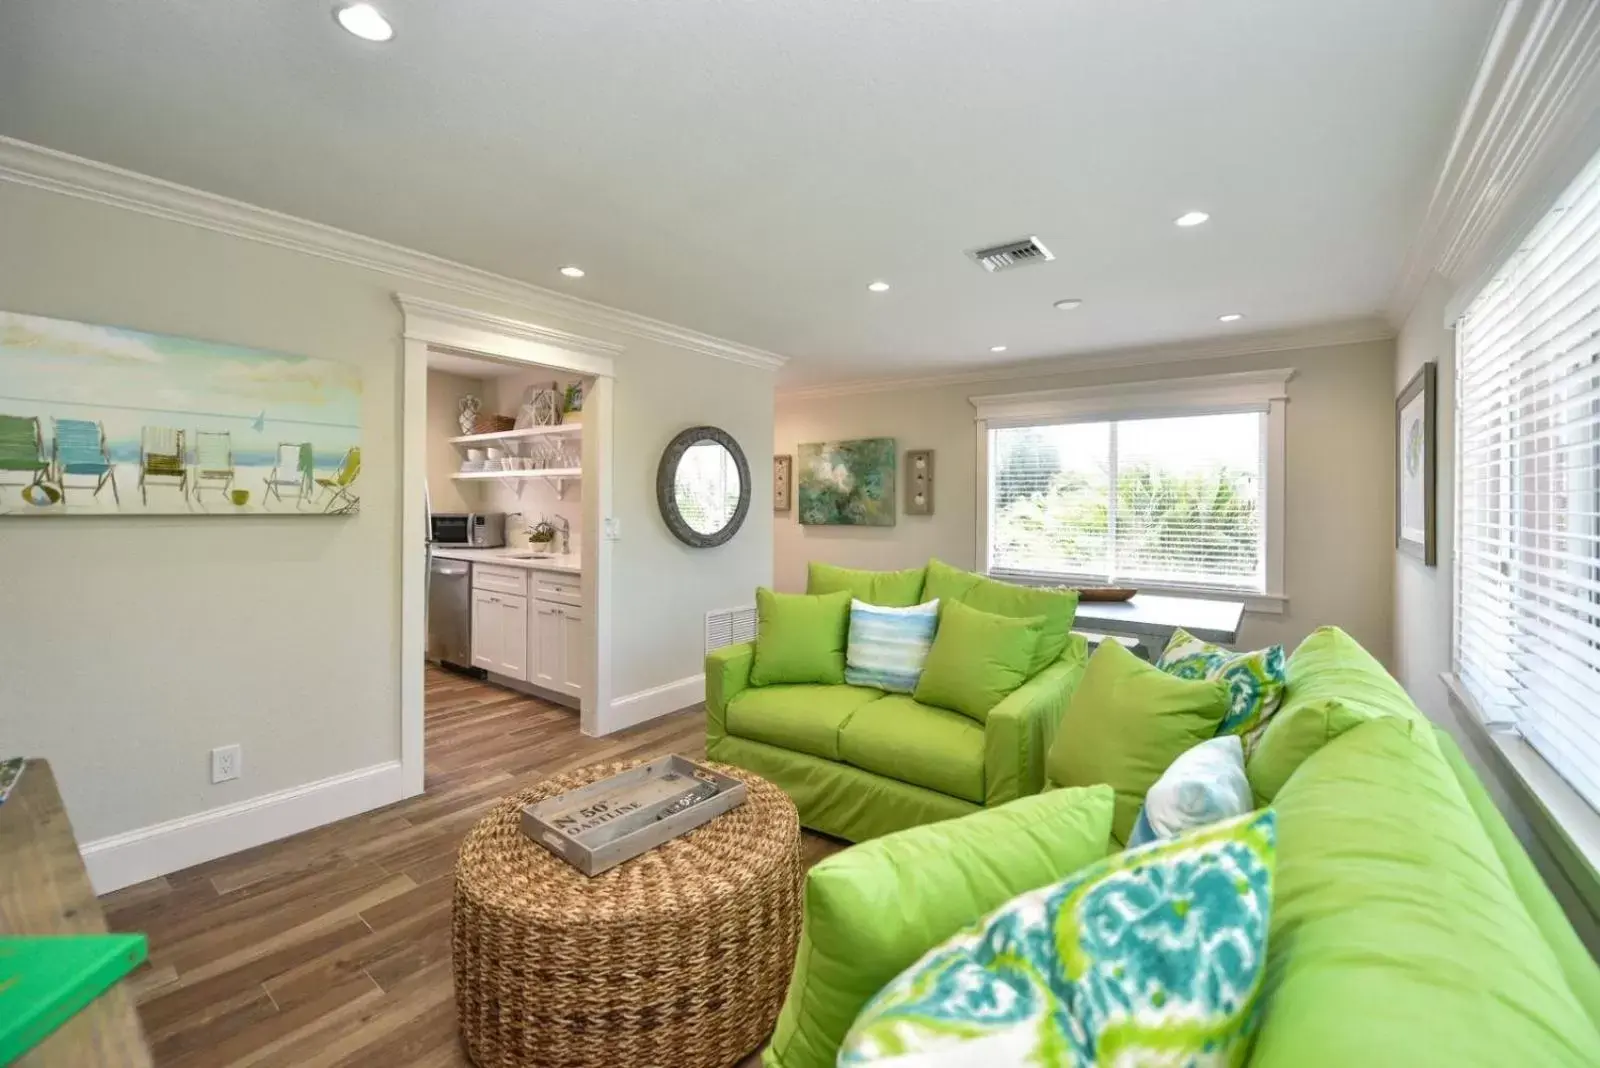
{"x": 997, "y": 348}
{"x": 1070, "y": 304}
{"x": 1191, "y": 218}
{"x": 572, "y": 272}
{"x": 364, "y": 21}
{"x": 878, "y": 287}
{"x": 1231, "y": 317}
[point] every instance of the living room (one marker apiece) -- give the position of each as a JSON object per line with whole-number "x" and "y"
{"x": 912, "y": 336}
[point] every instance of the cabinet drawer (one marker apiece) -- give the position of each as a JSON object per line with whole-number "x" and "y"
{"x": 500, "y": 579}
{"x": 558, "y": 587}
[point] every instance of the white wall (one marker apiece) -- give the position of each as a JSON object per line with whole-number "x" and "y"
{"x": 1339, "y": 551}
{"x": 129, "y": 647}
{"x": 1424, "y": 603}
{"x": 444, "y": 459}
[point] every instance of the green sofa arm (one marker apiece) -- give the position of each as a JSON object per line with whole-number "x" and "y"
{"x": 727, "y": 672}
{"x": 1022, "y": 727}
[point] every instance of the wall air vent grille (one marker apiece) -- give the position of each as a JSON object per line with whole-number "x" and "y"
{"x": 730, "y": 626}
{"x": 1011, "y": 255}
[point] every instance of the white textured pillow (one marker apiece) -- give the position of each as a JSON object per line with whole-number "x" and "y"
{"x": 888, "y": 645}
{"x": 1204, "y": 785}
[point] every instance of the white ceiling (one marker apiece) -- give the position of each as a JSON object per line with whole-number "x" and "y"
{"x": 745, "y": 168}
{"x": 456, "y": 363}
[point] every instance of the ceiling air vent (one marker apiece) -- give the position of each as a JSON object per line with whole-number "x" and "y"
{"x": 1011, "y": 255}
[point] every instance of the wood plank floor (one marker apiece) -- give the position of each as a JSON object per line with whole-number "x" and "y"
{"x": 332, "y": 948}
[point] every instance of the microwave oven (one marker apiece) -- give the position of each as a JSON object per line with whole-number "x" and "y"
{"x": 476, "y": 530}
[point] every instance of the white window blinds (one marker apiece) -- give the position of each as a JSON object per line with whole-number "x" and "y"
{"x": 1527, "y": 641}
{"x": 1174, "y": 501}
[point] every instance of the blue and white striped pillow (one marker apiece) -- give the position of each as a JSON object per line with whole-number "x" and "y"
{"x": 888, "y": 645}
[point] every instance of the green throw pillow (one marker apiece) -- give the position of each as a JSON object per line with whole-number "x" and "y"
{"x": 976, "y": 660}
{"x": 1058, "y": 607}
{"x": 1153, "y": 956}
{"x": 887, "y": 589}
{"x": 800, "y": 637}
{"x": 1255, "y": 680}
{"x": 939, "y": 877}
{"x": 1333, "y": 685}
{"x": 1125, "y": 725}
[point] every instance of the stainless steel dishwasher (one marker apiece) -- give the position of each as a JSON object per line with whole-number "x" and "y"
{"x": 450, "y": 612}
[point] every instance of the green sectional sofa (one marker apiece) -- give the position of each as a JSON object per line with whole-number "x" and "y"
{"x": 861, "y": 762}
{"x": 1407, "y": 928}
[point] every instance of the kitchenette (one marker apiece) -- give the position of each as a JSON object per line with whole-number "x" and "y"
{"x": 505, "y": 590}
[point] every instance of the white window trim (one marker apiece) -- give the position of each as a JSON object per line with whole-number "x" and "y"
{"x": 1262, "y": 391}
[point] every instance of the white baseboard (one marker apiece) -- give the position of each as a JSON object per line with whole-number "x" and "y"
{"x": 632, "y": 709}
{"x": 134, "y": 856}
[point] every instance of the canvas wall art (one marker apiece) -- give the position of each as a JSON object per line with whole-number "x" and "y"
{"x": 98, "y": 420}
{"x": 847, "y": 483}
{"x": 1415, "y": 466}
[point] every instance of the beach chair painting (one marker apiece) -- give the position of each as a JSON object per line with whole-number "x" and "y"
{"x": 78, "y": 449}
{"x": 22, "y": 454}
{"x": 161, "y": 461}
{"x": 213, "y": 461}
{"x": 294, "y": 472}
{"x": 191, "y": 427}
{"x": 343, "y": 500}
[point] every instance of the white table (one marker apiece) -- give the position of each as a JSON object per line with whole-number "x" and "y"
{"x": 1150, "y": 619}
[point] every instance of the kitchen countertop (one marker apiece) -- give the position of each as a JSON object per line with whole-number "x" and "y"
{"x": 568, "y": 562}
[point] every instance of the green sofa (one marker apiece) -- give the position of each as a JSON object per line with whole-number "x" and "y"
{"x": 1408, "y": 926}
{"x": 859, "y": 762}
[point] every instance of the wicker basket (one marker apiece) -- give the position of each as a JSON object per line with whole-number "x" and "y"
{"x": 679, "y": 957}
{"x": 494, "y": 424}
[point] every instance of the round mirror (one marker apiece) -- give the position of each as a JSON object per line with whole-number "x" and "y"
{"x": 703, "y": 486}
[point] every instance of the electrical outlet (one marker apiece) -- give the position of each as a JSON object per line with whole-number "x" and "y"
{"x": 612, "y": 528}
{"x": 227, "y": 762}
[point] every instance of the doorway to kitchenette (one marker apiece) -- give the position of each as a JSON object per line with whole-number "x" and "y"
{"x": 506, "y": 479}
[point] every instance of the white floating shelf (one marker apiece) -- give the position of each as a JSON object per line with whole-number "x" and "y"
{"x": 519, "y": 435}
{"x": 544, "y": 472}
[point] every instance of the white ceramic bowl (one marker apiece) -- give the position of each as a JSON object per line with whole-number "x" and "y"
{"x": 475, "y": 455}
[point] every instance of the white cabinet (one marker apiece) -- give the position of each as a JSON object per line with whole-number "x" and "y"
{"x": 573, "y": 649}
{"x": 557, "y": 648}
{"x": 546, "y": 653}
{"x": 500, "y": 633}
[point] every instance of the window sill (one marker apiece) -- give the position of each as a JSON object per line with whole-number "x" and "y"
{"x": 1254, "y": 601}
{"x": 1558, "y": 815}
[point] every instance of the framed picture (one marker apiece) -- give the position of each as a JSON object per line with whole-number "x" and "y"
{"x": 847, "y": 483}
{"x": 919, "y": 482}
{"x": 1415, "y": 464}
{"x": 782, "y": 482}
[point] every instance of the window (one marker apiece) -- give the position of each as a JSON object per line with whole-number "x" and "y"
{"x": 1163, "y": 486}
{"x": 1527, "y": 618}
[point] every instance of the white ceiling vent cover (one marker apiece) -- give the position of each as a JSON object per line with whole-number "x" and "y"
{"x": 730, "y": 627}
{"x": 1011, "y": 255}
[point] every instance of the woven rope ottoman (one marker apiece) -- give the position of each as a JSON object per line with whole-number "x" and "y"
{"x": 678, "y": 957}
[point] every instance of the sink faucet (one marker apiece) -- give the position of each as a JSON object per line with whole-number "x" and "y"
{"x": 564, "y": 530}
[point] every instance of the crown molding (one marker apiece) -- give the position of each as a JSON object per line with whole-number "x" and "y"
{"x": 43, "y": 168}
{"x": 1536, "y": 91}
{"x": 1348, "y": 332}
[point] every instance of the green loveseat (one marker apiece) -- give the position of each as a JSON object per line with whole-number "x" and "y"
{"x": 859, "y": 762}
{"x": 1408, "y": 926}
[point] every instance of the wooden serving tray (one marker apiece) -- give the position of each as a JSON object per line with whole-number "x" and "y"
{"x": 1106, "y": 593}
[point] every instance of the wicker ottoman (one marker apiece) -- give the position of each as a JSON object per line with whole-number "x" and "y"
{"x": 678, "y": 957}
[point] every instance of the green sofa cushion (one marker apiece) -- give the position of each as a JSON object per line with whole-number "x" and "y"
{"x": 803, "y": 717}
{"x": 1333, "y": 685}
{"x": 1581, "y": 972}
{"x": 1397, "y": 939}
{"x": 977, "y": 659}
{"x": 1126, "y": 723}
{"x": 800, "y": 638}
{"x": 871, "y": 911}
{"x": 916, "y": 743}
{"x": 1059, "y": 607}
{"x": 890, "y": 589}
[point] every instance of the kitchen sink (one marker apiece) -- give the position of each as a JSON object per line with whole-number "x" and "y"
{"x": 529, "y": 556}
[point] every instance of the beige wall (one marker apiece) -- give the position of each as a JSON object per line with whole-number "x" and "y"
{"x": 1424, "y": 605}
{"x": 129, "y": 647}
{"x": 1339, "y": 553}
{"x": 445, "y": 494}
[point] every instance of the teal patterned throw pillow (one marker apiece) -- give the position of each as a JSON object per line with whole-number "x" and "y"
{"x": 888, "y": 646}
{"x": 1255, "y": 680}
{"x": 1151, "y": 956}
